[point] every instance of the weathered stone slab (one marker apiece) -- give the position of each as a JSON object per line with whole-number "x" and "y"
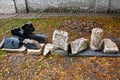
{"x": 102, "y": 5}
{"x": 96, "y": 39}
{"x": 41, "y": 5}
{"x": 115, "y": 5}
{"x": 7, "y": 6}
{"x": 79, "y": 45}
{"x": 60, "y": 40}
{"x": 21, "y": 49}
{"x": 110, "y": 46}
{"x": 90, "y": 53}
{"x": 21, "y": 6}
{"x": 47, "y": 49}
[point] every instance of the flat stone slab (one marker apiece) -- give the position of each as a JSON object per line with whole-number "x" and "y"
{"x": 21, "y": 49}
{"x": 90, "y": 53}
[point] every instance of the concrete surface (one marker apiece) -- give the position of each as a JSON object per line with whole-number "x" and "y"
{"x": 24, "y": 6}
{"x": 7, "y": 6}
{"x": 20, "y": 6}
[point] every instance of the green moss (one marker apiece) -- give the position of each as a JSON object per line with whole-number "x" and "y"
{"x": 2, "y": 53}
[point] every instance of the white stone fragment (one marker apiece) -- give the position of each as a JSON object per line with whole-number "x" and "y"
{"x": 47, "y": 49}
{"x": 2, "y": 42}
{"x": 60, "y": 40}
{"x": 110, "y": 46}
{"x": 96, "y": 39}
{"x": 79, "y": 45}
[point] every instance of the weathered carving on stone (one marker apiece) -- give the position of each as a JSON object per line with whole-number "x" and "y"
{"x": 60, "y": 40}
{"x": 96, "y": 39}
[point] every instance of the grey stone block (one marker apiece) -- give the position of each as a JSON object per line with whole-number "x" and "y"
{"x": 114, "y": 6}
{"x": 102, "y": 5}
{"x": 41, "y": 5}
{"x": 21, "y": 6}
{"x": 7, "y": 6}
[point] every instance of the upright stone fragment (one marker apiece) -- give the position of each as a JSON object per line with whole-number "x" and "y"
{"x": 60, "y": 43}
{"x": 96, "y": 39}
{"x": 79, "y": 45}
{"x": 47, "y": 49}
{"x": 60, "y": 40}
{"x": 110, "y": 46}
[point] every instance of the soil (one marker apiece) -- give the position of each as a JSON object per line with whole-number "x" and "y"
{"x": 22, "y": 66}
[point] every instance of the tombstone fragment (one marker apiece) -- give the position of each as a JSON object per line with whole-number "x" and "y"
{"x": 41, "y": 38}
{"x": 79, "y": 45}
{"x": 28, "y": 28}
{"x": 60, "y": 39}
{"x": 31, "y": 44}
{"x": 110, "y": 46}
{"x": 60, "y": 43}
{"x": 47, "y": 49}
{"x": 36, "y": 51}
{"x": 18, "y": 32}
{"x": 12, "y": 43}
{"x": 96, "y": 39}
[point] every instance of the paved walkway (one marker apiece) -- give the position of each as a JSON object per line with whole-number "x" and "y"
{"x": 56, "y": 14}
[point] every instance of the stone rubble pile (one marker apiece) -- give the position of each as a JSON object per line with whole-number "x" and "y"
{"x": 36, "y": 43}
{"x": 23, "y": 39}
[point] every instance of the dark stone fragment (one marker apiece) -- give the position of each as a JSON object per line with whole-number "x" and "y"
{"x": 28, "y": 28}
{"x": 41, "y": 38}
{"x": 12, "y": 43}
{"x": 17, "y": 32}
{"x": 31, "y": 46}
